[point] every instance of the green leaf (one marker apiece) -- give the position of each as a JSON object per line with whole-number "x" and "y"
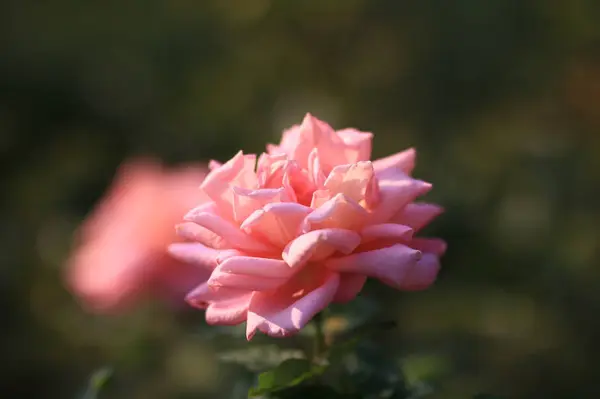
{"x": 290, "y": 373}
{"x": 312, "y": 391}
{"x": 98, "y": 380}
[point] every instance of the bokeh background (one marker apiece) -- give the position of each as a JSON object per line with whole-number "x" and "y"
{"x": 500, "y": 97}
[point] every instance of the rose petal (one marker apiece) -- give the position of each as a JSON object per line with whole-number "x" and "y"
{"x": 193, "y": 232}
{"x": 390, "y": 265}
{"x": 296, "y": 182}
{"x": 433, "y": 245}
{"x": 238, "y": 171}
{"x": 333, "y": 148}
{"x": 212, "y": 164}
{"x": 276, "y": 223}
{"x": 230, "y": 312}
{"x": 355, "y": 181}
{"x": 202, "y": 295}
{"x": 403, "y": 161}
{"x": 314, "y": 168}
{"x": 395, "y": 194}
{"x": 314, "y": 133}
{"x": 229, "y": 232}
{"x": 224, "y": 306}
{"x": 286, "y": 311}
{"x": 338, "y": 212}
{"x": 358, "y": 144}
{"x": 423, "y": 274}
{"x": 270, "y": 170}
{"x": 318, "y": 245}
{"x": 350, "y": 285}
{"x": 386, "y": 231}
{"x": 220, "y": 279}
{"x": 417, "y": 215}
{"x": 248, "y": 265}
{"x": 195, "y": 253}
{"x": 247, "y": 201}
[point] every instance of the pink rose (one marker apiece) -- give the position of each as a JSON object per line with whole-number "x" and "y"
{"x": 306, "y": 229}
{"x": 122, "y": 250}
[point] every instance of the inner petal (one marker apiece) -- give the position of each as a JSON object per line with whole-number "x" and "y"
{"x": 355, "y": 181}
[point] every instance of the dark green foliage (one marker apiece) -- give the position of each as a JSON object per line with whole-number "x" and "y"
{"x": 289, "y": 373}
{"x": 500, "y": 97}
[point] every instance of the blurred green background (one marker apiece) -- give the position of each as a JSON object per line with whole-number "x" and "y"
{"x": 500, "y": 97}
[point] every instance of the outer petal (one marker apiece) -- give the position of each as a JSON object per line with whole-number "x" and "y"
{"x": 395, "y": 194}
{"x": 417, "y": 215}
{"x": 403, "y": 161}
{"x": 220, "y": 279}
{"x": 286, "y": 311}
{"x": 231, "y": 233}
{"x": 224, "y": 307}
{"x": 318, "y": 245}
{"x": 230, "y": 312}
{"x": 251, "y": 266}
{"x": 387, "y": 232}
{"x": 434, "y": 245}
{"x": 350, "y": 285}
{"x": 250, "y": 273}
{"x": 198, "y": 254}
{"x": 276, "y": 223}
{"x": 202, "y": 295}
{"x": 192, "y": 232}
{"x": 212, "y": 164}
{"x": 389, "y": 265}
{"x": 423, "y": 274}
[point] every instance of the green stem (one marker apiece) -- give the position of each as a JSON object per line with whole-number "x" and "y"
{"x": 319, "y": 343}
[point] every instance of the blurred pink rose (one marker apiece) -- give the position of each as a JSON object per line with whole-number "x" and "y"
{"x": 121, "y": 254}
{"x": 306, "y": 229}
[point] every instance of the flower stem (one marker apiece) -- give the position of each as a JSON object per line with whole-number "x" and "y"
{"x": 319, "y": 342}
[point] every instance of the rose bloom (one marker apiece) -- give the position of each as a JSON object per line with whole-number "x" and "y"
{"x": 306, "y": 228}
{"x": 121, "y": 254}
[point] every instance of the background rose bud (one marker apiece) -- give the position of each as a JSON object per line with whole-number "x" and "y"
{"x": 121, "y": 252}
